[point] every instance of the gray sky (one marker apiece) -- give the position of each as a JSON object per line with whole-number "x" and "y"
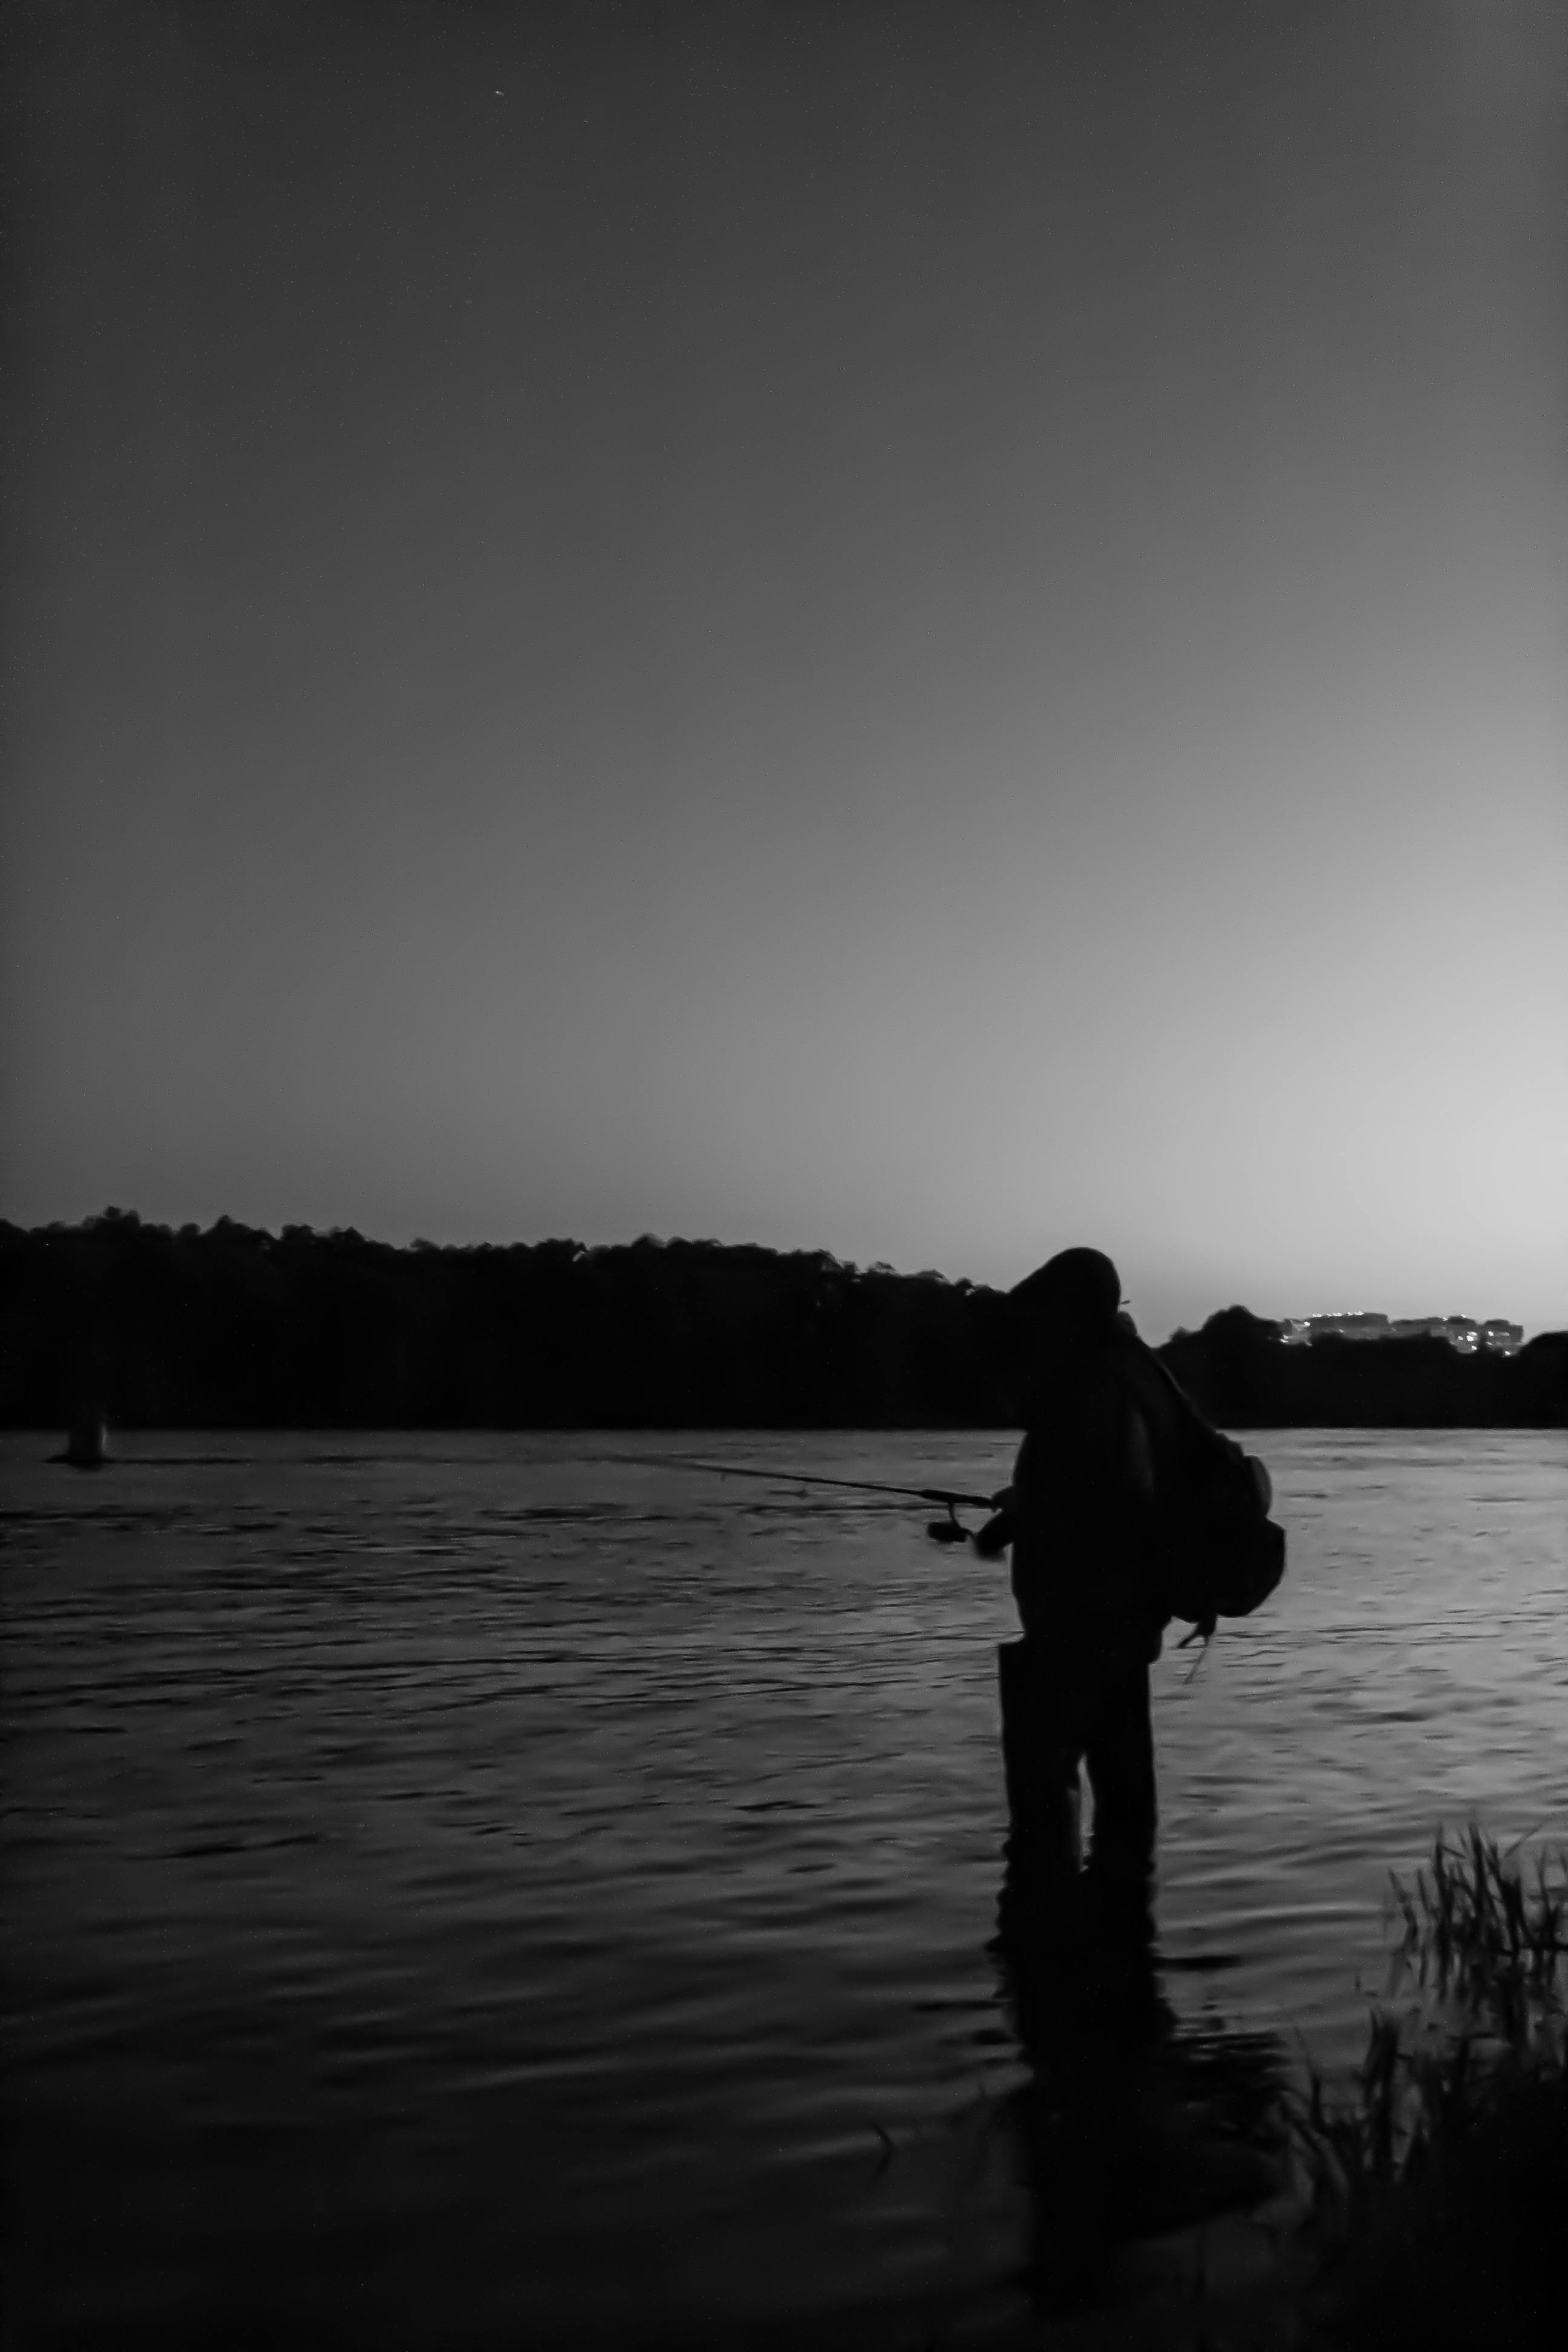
{"x": 925, "y": 632}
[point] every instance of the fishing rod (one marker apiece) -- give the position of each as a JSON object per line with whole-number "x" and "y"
{"x": 946, "y": 1530}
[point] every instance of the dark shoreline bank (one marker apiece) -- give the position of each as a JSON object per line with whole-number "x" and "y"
{"x": 234, "y": 1328}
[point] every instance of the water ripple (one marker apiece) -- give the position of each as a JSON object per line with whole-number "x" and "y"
{"x": 574, "y": 1879}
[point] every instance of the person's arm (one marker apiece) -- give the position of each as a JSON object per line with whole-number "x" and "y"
{"x": 993, "y": 1539}
{"x": 1137, "y": 1463}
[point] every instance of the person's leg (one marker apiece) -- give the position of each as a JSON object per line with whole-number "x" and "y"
{"x": 1120, "y": 1755}
{"x": 1042, "y": 1741}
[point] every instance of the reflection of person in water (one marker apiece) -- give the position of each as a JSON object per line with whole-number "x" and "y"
{"x": 1129, "y": 2123}
{"x": 1083, "y": 1516}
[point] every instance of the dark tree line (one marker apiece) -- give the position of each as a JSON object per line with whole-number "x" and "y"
{"x": 234, "y": 1328}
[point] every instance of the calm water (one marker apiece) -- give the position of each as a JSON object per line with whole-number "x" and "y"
{"x": 477, "y": 1888}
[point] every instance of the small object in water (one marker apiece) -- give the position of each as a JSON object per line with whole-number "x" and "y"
{"x": 86, "y": 1447}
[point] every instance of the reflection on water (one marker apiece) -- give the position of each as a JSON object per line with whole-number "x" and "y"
{"x": 1129, "y": 2125}
{"x": 478, "y": 1888}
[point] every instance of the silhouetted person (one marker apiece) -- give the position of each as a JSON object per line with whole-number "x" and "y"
{"x": 1128, "y": 2127}
{"x": 1083, "y": 1516}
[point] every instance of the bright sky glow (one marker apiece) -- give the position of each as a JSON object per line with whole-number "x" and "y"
{"x": 920, "y": 633}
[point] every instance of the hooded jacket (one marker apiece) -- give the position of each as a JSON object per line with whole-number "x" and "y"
{"x": 1091, "y": 1484}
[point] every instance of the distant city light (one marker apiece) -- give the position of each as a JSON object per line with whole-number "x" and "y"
{"x": 1497, "y": 1336}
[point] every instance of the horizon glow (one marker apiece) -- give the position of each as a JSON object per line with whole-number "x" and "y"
{"x": 923, "y": 636}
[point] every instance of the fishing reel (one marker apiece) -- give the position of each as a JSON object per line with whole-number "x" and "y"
{"x": 950, "y": 1531}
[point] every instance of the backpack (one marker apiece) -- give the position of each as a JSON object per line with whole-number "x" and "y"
{"x": 1221, "y": 1554}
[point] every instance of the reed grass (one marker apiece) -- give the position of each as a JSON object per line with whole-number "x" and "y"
{"x": 1438, "y": 2186}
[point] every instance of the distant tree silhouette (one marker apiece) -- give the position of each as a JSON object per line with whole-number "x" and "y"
{"x": 236, "y": 1327}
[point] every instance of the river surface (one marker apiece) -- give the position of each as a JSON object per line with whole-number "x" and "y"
{"x": 521, "y": 1890}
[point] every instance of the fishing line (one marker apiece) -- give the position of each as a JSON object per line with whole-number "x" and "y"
{"x": 946, "y": 1495}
